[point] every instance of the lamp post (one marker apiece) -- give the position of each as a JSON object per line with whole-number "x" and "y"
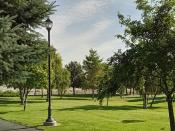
{"x": 49, "y": 121}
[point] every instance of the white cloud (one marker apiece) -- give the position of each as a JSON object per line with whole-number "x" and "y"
{"x": 97, "y": 34}
{"x": 95, "y": 31}
{"x": 76, "y": 46}
{"x": 78, "y": 13}
{"x": 108, "y": 48}
{"x": 89, "y": 7}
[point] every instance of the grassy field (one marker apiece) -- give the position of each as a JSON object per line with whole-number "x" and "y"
{"x": 84, "y": 114}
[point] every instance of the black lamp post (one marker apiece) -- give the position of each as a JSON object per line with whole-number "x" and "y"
{"x": 49, "y": 121}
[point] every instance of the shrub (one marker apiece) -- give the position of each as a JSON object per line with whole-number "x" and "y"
{"x": 9, "y": 94}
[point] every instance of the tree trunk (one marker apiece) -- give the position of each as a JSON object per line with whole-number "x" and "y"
{"x": 58, "y": 93}
{"x": 35, "y": 92}
{"x": 133, "y": 91}
{"x": 21, "y": 96}
{"x": 84, "y": 91}
{"x": 107, "y": 100}
{"x": 101, "y": 102}
{"x": 171, "y": 112}
{"x": 26, "y": 92}
{"x": 25, "y": 101}
{"x": 126, "y": 91}
{"x": 153, "y": 99}
{"x": 130, "y": 91}
{"x": 61, "y": 94}
{"x": 73, "y": 91}
{"x": 144, "y": 101}
{"x": 92, "y": 93}
{"x": 42, "y": 92}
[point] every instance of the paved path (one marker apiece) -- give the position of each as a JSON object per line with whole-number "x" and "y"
{"x": 9, "y": 126}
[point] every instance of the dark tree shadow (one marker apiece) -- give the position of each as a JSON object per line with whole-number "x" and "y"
{"x": 135, "y": 100}
{"x": 157, "y": 100}
{"x": 7, "y": 101}
{"x": 71, "y": 98}
{"x": 97, "y": 107}
{"x": 132, "y": 121}
{"x": 63, "y": 98}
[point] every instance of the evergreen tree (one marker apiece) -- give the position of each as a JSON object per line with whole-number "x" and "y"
{"x": 92, "y": 66}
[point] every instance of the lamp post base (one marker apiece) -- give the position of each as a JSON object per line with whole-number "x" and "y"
{"x": 50, "y": 122}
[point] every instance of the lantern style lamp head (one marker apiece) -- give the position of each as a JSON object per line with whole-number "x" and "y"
{"x": 48, "y": 24}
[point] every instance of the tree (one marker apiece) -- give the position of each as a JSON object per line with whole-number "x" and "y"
{"x": 25, "y": 48}
{"x": 77, "y": 73}
{"x": 30, "y": 75}
{"x": 56, "y": 70}
{"x": 21, "y": 43}
{"x": 63, "y": 82}
{"x": 105, "y": 85}
{"x": 29, "y": 13}
{"x": 92, "y": 67}
{"x": 154, "y": 33}
{"x": 8, "y": 45}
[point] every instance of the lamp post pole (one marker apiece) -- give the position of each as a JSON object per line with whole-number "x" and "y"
{"x": 49, "y": 121}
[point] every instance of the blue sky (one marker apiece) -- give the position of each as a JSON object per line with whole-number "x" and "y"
{"x": 80, "y": 25}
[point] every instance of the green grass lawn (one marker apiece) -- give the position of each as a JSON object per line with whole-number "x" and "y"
{"x": 84, "y": 114}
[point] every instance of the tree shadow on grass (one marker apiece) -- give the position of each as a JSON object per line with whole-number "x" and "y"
{"x": 15, "y": 111}
{"x": 63, "y": 98}
{"x": 71, "y": 98}
{"x": 132, "y": 121}
{"x": 7, "y": 101}
{"x": 135, "y": 100}
{"x": 157, "y": 100}
{"x": 5, "y": 112}
{"x": 97, "y": 107}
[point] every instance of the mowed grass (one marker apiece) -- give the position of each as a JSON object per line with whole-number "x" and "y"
{"x": 85, "y": 114}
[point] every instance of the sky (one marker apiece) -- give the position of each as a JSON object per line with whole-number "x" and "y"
{"x": 81, "y": 25}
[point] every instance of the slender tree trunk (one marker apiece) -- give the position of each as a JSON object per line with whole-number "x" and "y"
{"x": 101, "y": 102}
{"x": 92, "y": 93}
{"x": 58, "y": 93}
{"x": 25, "y": 101}
{"x": 126, "y": 91}
{"x": 153, "y": 99}
{"x": 73, "y": 91}
{"x": 144, "y": 101}
{"x": 130, "y": 91}
{"x": 61, "y": 94}
{"x": 171, "y": 112}
{"x": 133, "y": 91}
{"x": 42, "y": 92}
{"x": 107, "y": 100}
{"x": 21, "y": 95}
{"x": 35, "y": 92}
{"x": 26, "y": 95}
{"x": 85, "y": 91}
{"x": 147, "y": 100}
